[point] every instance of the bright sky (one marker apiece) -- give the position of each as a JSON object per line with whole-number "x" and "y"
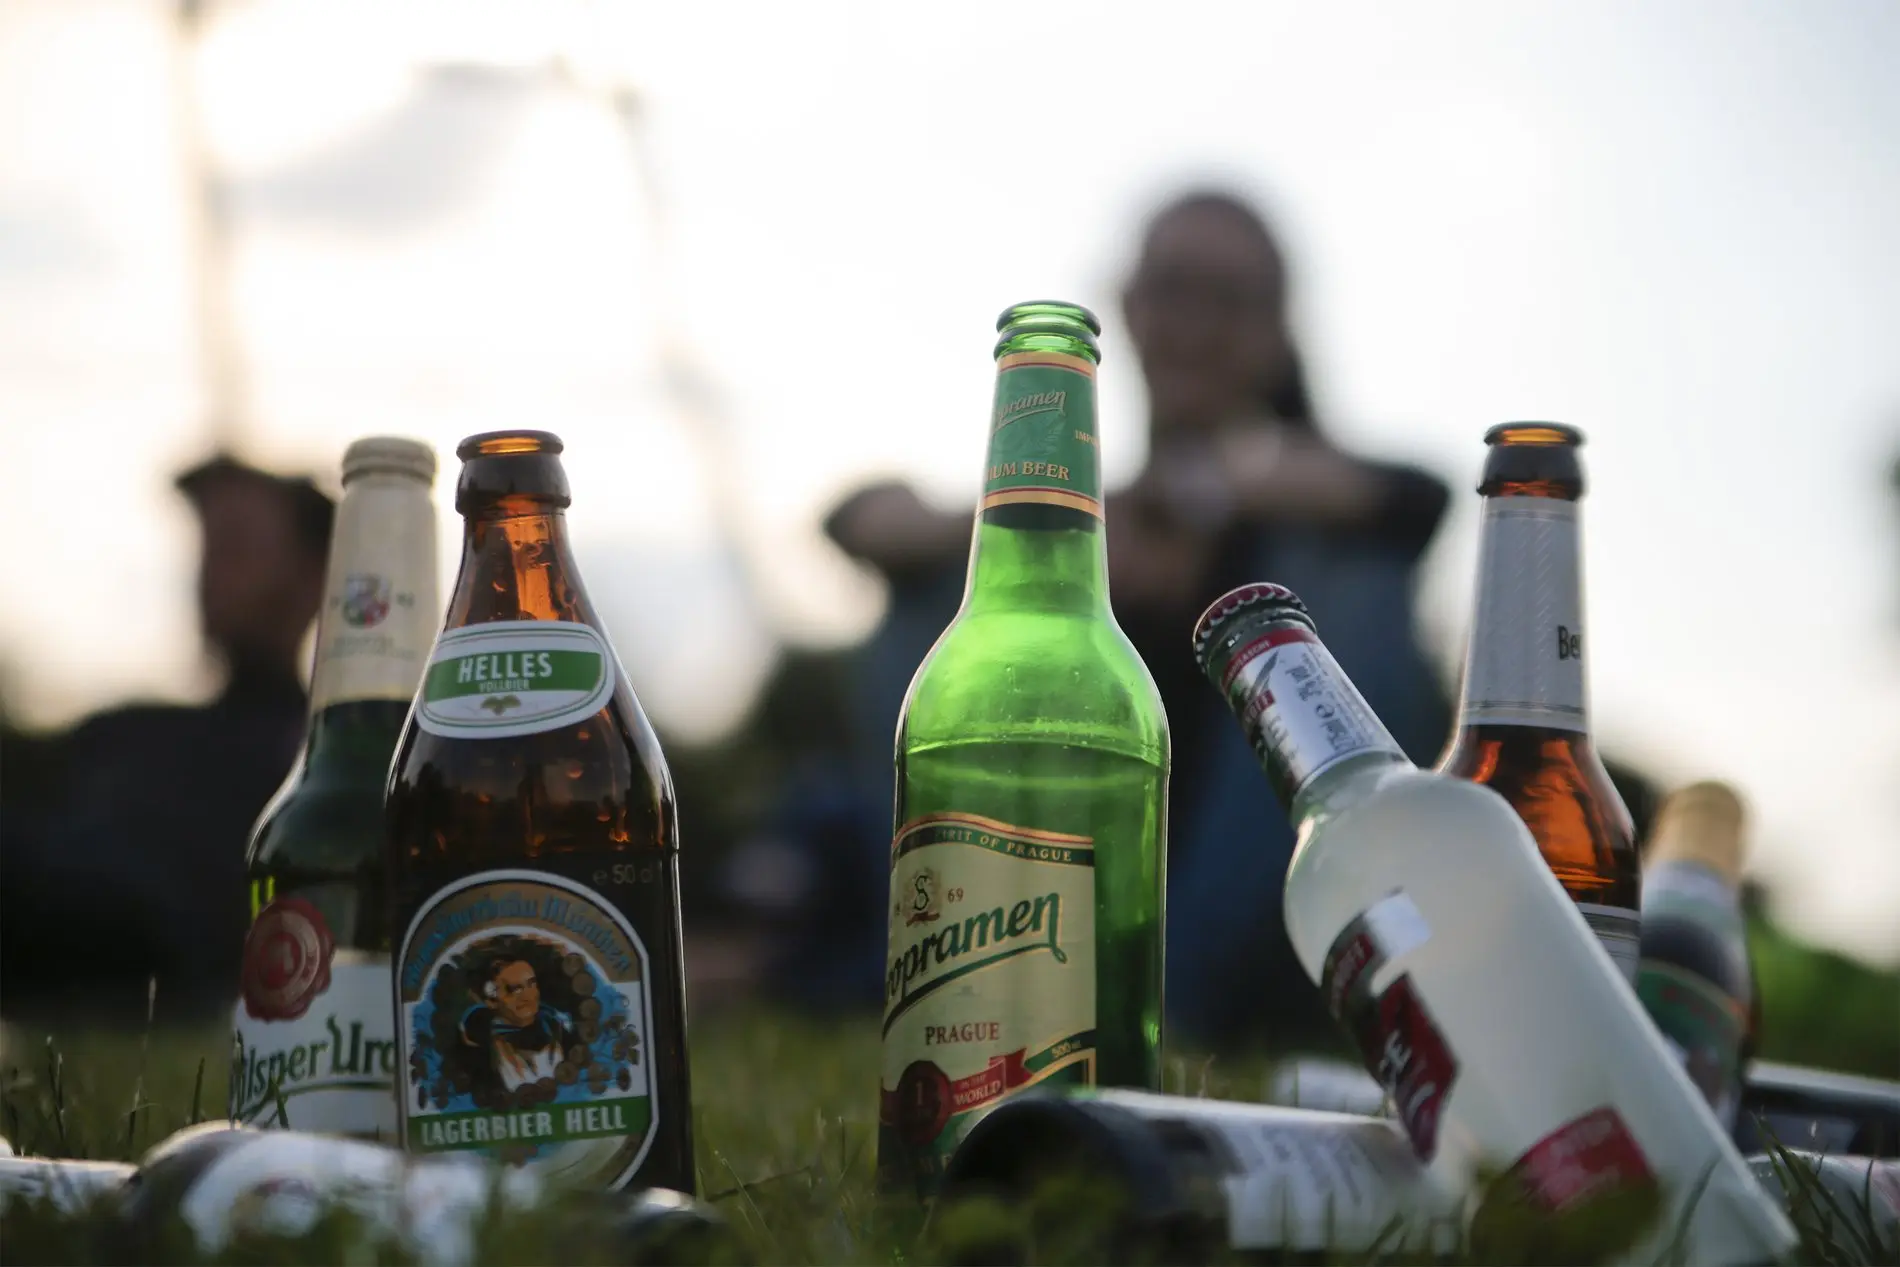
{"x": 1674, "y": 226}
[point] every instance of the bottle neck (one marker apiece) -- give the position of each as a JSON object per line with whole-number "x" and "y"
{"x": 1038, "y": 543}
{"x": 1524, "y": 661}
{"x": 517, "y": 565}
{"x": 381, "y": 595}
{"x": 1306, "y": 721}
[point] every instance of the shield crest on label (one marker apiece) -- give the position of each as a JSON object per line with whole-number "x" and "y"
{"x": 365, "y": 600}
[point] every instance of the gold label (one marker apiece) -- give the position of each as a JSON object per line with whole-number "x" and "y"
{"x": 990, "y": 985}
{"x": 381, "y": 603}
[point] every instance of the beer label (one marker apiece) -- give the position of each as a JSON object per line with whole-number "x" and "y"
{"x": 1621, "y": 932}
{"x": 381, "y": 603}
{"x": 327, "y": 1061}
{"x": 1397, "y": 1038}
{"x": 991, "y": 981}
{"x": 1298, "y": 710}
{"x": 1043, "y": 447}
{"x": 514, "y": 677}
{"x": 526, "y": 1027}
{"x": 1702, "y": 1025}
{"x": 1581, "y": 1162}
{"x": 1524, "y": 664}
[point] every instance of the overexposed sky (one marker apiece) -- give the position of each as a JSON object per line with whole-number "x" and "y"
{"x": 1676, "y": 226}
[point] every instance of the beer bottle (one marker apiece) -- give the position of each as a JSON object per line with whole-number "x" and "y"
{"x": 1032, "y": 768}
{"x": 1693, "y": 978}
{"x": 211, "y": 1192}
{"x": 1524, "y": 723}
{"x": 1471, "y": 984}
{"x": 313, "y": 1047}
{"x": 533, "y": 864}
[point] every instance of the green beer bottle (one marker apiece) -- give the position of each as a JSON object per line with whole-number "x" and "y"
{"x": 1032, "y": 774}
{"x": 314, "y": 1047}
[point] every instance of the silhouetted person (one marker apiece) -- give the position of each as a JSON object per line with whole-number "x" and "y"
{"x": 1241, "y": 484}
{"x": 125, "y": 861}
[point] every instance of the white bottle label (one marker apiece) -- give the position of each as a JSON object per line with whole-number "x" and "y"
{"x": 331, "y": 1070}
{"x": 514, "y": 677}
{"x": 1296, "y": 706}
{"x": 990, "y": 986}
{"x": 1524, "y": 665}
{"x": 70, "y": 1187}
{"x": 1621, "y": 932}
{"x": 381, "y": 605}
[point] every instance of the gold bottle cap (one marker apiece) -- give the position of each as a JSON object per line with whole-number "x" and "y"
{"x": 1701, "y": 823}
{"x": 389, "y": 453}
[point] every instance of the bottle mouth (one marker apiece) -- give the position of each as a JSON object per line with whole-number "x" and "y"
{"x": 1534, "y": 433}
{"x": 1262, "y": 598}
{"x": 392, "y": 454}
{"x": 508, "y": 443}
{"x": 1048, "y": 325}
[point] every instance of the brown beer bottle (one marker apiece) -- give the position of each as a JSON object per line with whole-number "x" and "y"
{"x": 533, "y": 864}
{"x": 1524, "y": 721}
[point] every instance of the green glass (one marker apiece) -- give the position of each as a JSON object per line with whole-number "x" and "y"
{"x": 1032, "y": 773}
{"x": 314, "y": 1042}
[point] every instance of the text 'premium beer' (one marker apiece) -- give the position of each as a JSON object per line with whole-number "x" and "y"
{"x": 533, "y": 864}
{"x": 314, "y": 1048}
{"x": 1468, "y": 979}
{"x": 1524, "y": 722}
{"x": 1032, "y": 767}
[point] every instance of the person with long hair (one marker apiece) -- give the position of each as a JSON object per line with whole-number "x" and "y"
{"x": 1241, "y": 484}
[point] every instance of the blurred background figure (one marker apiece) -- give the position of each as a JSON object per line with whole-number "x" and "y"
{"x": 124, "y": 838}
{"x": 1241, "y": 483}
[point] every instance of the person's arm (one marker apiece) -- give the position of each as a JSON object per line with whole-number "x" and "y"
{"x": 890, "y": 528}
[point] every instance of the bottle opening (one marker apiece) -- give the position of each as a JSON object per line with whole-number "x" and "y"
{"x": 504, "y": 443}
{"x": 1261, "y": 599}
{"x": 1049, "y": 325}
{"x": 391, "y": 454}
{"x": 1534, "y": 433}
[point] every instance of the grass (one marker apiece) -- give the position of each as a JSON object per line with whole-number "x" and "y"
{"x": 785, "y": 1137}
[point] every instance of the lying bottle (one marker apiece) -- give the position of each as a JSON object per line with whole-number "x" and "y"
{"x": 1853, "y": 1201}
{"x": 1818, "y": 1110}
{"x": 1692, "y": 976}
{"x": 1786, "y": 1104}
{"x": 208, "y": 1189}
{"x": 1475, "y": 990}
{"x": 68, "y": 1186}
{"x": 1177, "y": 1179}
{"x": 1125, "y": 1176}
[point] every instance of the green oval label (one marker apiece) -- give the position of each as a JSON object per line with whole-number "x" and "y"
{"x": 514, "y": 677}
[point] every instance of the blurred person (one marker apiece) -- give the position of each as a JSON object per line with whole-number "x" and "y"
{"x": 124, "y": 861}
{"x": 1241, "y": 484}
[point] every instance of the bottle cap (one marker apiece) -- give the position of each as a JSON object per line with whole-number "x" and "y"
{"x": 1273, "y": 601}
{"x": 1701, "y": 823}
{"x": 389, "y": 453}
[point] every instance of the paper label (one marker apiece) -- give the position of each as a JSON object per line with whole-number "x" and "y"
{"x": 990, "y": 986}
{"x": 1397, "y": 1038}
{"x": 1043, "y": 447}
{"x": 69, "y": 1187}
{"x": 381, "y": 603}
{"x": 1621, "y": 932}
{"x": 330, "y": 1067}
{"x": 1298, "y": 710}
{"x": 514, "y": 677}
{"x": 526, "y": 1028}
{"x": 1582, "y": 1161}
{"x": 1524, "y": 662}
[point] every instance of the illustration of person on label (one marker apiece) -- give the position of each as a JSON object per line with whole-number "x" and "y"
{"x": 510, "y": 1038}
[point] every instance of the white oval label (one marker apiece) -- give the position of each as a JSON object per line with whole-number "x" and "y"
{"x": 514, "y": 677}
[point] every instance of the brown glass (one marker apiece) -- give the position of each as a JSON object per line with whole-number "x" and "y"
{"x": 1552, "y": 778}
{"x": 595, "y": 792}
